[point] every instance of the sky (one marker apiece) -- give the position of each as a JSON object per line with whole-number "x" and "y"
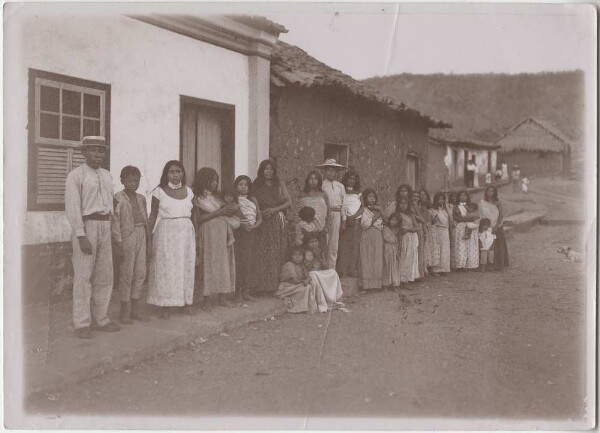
{"x": 366, "y": 40}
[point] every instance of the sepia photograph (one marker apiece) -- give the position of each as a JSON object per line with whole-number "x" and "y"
{"x": 300, "y": 216}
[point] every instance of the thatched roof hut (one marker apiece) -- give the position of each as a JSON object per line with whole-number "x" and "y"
{"x": 534, "y": 135}
{"x": 539, "y": 147}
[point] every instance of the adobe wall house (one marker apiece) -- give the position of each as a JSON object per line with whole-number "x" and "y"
{"x": 318, "y": 112}
{"x": 539, "y": 148}
{"x": 159, "y": 87}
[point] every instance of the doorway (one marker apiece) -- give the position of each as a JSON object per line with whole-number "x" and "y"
{"x": 207, "y": 139}
{"x": 412, "y": 170}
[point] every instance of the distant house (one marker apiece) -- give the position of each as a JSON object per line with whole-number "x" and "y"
{"x": 318, "y": 112}
{"x": 538, "y": 147}
{"x": 158, "y": 87}
{"x": 448, "y": 159}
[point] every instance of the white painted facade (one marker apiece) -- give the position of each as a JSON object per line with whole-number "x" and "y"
{"x": 455, "y": 162}
{"x": 148, "y": 68}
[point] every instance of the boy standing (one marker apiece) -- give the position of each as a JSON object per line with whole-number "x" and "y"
{"x": 88, "y": 205}
{"x": 129, "y": 233}
{"x": 335, "y": 193}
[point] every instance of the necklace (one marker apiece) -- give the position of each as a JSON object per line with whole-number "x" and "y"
{"x": 173, "y": 186}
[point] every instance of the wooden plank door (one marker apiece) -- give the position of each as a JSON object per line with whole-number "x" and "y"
{"x": 207, "y": 140}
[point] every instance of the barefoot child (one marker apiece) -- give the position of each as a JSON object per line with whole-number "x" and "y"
{"x": 486, "y": 244}
{"x": 391, "y": 252}
{"x": 245, "y": 240}
{"x": 129, "y": 233}
{"x": 371, "y": 242}
{"x": 409, "y": 250}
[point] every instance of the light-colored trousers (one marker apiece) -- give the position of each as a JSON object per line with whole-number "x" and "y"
{"x": 333, "y": 238}
{"x": 132, "y": 271}
{"x": 93, "y": 276}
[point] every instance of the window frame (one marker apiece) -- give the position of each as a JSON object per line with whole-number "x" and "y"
{"x": 37, "y": 78}
{"x": 344, "y": 145}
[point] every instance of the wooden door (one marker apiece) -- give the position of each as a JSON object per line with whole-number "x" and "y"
{"x": 207, "y": 140}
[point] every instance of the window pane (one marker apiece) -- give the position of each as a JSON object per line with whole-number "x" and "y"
{"x": 70, "y": 128}
{"x": 91, "y": 105}
{"x": 91, "y": 127}
{"x": 71, "y": 102}
{"x": 49, "y": 125}
{"x": 49, "y": 98}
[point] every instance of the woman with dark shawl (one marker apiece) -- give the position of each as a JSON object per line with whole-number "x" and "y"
{"x": 271, "y": 236}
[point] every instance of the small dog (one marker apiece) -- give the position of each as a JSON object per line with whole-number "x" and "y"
{"x": 570, "y": 254}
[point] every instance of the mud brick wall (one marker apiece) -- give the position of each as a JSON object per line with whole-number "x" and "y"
{"x": 303, "y": 120}
{"x": 437, "y": 171}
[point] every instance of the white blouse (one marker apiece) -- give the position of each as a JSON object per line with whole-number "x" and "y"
{"x": 170, "y": 207}
{"x": 351, "y": 205}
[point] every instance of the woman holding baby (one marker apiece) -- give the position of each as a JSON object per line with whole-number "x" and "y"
{"x": 215, "y": 253}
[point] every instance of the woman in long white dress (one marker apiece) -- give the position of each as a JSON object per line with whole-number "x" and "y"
{"x": 171, "y": 275}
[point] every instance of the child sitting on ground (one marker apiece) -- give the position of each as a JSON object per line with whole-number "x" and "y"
{"x": 307, "y": 224}
{"x": 317, "y": 261}
{"x": 486, "y": 244}
{"x": 295, "y": 286}
{"x": 472, "y": 211}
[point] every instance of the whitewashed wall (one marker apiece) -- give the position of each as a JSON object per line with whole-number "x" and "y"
{"x": 148, "y": 69}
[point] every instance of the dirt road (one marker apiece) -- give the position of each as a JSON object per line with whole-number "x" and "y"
{"x": 504, "y": 345}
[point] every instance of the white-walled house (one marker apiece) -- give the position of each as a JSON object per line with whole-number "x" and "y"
{"x": 158, "y": 87}
{"x": 448, "y": 159}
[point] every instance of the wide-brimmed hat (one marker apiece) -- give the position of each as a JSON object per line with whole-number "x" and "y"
{"x": 331, "y": 163}
{"x": 516, "y": 165}
{"x": 93, "y": 141}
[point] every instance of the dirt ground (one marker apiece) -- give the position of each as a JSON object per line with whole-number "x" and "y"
{"x": 508, "y": 345}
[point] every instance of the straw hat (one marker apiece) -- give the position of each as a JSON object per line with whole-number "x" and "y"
{"x": 93, "y": 141}
{"x": 331, "y": 163}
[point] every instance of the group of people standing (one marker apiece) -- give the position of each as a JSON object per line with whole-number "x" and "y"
{"x": 203, "y": 246}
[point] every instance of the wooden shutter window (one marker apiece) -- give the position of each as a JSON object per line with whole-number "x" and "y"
{"x": 52, "y": 170}
{"x": 62, "y": 110}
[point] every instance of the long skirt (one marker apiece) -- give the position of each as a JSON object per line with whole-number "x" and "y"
{"x": 271, "y": 245}
{"x": 466, "y": 251}
{"x": 422, "y": 253}
{"x": 443, "y": 249}
{"x": 328, "y": 288}
{"x": 432, "y": 247}
{"x": 500, "y": 250}
{"x": 245, "y": 259}
{"x": 452, "y": 247}
{"x": 348, "y": 254}
{"x": 171, "y": 275}
{"x": 371, "y": 258}
{"x": 216, "y": 267}
{"x": 391, "y": 265}
{"x": 409, "y": 257}
{"x": 298, "y": 298}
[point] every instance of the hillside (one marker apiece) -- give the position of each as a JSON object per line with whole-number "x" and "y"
{"x": 484, "y": 106}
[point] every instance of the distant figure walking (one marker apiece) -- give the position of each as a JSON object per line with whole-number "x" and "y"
{"x": 516, "y": 178}
{"x": 504, "y": 171}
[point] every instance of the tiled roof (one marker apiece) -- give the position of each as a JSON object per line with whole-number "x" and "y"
{"x": 442, "y": 137}
{"x": 291, "y": 66}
